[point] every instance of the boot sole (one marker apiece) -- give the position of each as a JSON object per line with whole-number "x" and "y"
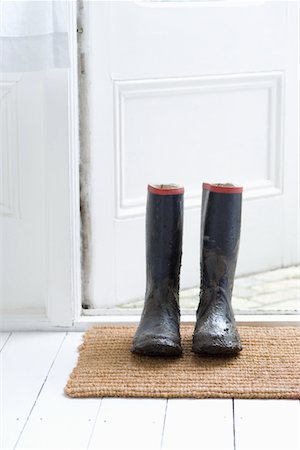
{"x": 223, "y": 343}
{"x": 157, "y": 347}
{"x": 213, "y": 350}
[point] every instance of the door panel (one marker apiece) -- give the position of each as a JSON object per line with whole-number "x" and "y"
{"x": 22, "y": 193}
{"x": 188, "y": 94}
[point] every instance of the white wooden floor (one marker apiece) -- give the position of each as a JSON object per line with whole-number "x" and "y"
{"x": 35, "y": 414}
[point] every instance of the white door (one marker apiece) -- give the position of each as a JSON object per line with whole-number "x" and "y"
{"x": 39, "y": 189}
{"x": 185, "y": 93}
{"x": 37, "y": 262}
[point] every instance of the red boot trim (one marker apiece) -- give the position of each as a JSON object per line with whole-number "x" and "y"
{"x": 165, "y": 189}
{"x": 223, "y": 188}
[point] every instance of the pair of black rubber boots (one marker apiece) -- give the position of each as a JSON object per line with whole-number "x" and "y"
{"x": 215, "y": 333}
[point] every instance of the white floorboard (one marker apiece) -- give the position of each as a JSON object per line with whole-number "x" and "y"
{"x": 267, "y": 424}
{"x": 36, "y": 415}
{"x": 67, "y": 423}
{"x": 129, "y": 424}
{"x": 3, "y": 338}
{"x": 26, "y": 360}
{"x": 195, "y": 424}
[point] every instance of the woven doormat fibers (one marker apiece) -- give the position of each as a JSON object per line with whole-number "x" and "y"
{"x": 267, "y": 367}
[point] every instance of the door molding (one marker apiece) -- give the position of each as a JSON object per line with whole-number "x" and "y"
{"x": 10, "y": 150}
{"x": 269, "y": 82}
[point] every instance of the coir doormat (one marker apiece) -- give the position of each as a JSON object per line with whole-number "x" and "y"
{"x": 267, "y": 367}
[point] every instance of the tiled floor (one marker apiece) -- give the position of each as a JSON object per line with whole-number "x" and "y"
{"x": 266, "y": 292}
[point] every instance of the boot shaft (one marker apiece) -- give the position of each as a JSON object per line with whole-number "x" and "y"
{"x": 164, "y": 226}
{"x": 220, "y": 234}
{"x": 215, "y": 330}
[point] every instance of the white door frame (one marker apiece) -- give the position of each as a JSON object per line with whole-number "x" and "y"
{"x": 64, "y": 272}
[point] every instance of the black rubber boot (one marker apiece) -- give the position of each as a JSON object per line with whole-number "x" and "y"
{"x": 215, "y": 332}
{"x": 158, "y": 332}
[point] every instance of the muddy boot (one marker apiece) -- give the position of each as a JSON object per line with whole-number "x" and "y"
{"x": 215, "y": 332}
{"x": 158, "y": 331}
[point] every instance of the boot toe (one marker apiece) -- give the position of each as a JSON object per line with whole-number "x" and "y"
{"x": 156, "y": 346}
{"x": 227, "y": 344}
